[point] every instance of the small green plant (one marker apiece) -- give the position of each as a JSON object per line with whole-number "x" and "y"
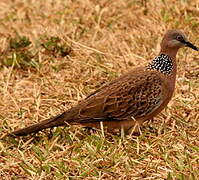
{"x": 20, "y": 42}
{"x": 18, "y": 54}
{"x": 55, "y": 47}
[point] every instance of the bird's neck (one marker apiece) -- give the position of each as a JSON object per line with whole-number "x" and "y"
{"x": 162, "y": 63}
{"x": 166, "y": 65}
{"x": 171, "y": 52}
{"x": 165, "y": 62}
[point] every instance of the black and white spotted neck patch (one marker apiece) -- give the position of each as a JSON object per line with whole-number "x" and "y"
{"x": 162, "y": 63}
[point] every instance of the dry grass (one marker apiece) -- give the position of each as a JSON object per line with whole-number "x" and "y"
{"x": 96, "y": 42}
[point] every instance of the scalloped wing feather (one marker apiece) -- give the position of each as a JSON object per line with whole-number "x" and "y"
{"x": 132, "y": 95}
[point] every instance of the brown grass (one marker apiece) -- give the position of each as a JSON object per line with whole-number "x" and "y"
{"x": 105, "y": 39}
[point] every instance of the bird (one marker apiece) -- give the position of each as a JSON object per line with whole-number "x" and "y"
{"x": 131, "y": 99}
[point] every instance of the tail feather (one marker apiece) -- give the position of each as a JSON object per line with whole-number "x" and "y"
{"x": 48, "y": 123}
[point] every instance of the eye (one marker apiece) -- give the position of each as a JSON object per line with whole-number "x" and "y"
{"x": 179, "y": 38}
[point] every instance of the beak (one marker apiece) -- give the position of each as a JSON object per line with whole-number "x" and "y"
{"x": 188, "y": 44}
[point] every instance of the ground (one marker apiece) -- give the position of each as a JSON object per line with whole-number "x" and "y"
{"x": 54, "y": 53}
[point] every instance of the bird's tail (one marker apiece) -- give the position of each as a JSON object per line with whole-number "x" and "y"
{"x": 48, "y": 123}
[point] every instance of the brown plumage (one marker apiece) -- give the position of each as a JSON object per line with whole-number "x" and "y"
{"x": 135, "y": 97}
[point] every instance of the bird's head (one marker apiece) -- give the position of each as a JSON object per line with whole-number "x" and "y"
{"x": 175, "y": 39}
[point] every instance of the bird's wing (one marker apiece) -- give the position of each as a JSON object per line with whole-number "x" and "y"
{"x": 129, "y": 96}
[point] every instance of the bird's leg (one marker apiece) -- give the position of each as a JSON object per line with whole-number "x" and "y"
{"x": 149, "y": 123}
{"x": 151, "y": 120}
{"x": 122, "y": 132}
{"x": 90, "y": 130}
{"x": 135, "y": 129}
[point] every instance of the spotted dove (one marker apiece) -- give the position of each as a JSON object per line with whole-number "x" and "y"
{"x": 133, "y": 98}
